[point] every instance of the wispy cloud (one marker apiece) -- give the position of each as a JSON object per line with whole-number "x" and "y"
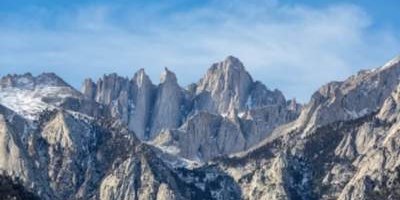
{"x": 292, "y": 47}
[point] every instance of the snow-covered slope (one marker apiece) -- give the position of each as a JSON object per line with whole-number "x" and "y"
{"x": 29, "y": 96}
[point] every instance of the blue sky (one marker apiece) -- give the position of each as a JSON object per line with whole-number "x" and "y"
{"x": 295, "y": 46}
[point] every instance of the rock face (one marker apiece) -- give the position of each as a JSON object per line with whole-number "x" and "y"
{"x": 227, "y": 89}
{"x": 139, "y": 119}
{"x": 203, "y": 137}
{"x": 169, "y": 105}
{"x": 130, "y": 101}
{"x": 226, "y": 137}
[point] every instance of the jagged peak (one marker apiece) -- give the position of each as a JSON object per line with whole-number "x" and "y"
{"x": 50, "y": 79}
{"x": 113, "y": 76}
{"x": 28, "y": 81}
{"x": 89, "y": 88}
{"x": 141, "y": 77}
{"x": 112, "y": 79}
{"x": 167, "y": 76}
{"x": 230, "y": 63}
{"x": 88, "y": 80}
{"x": 293, "y": 105}
{"x": 141, "y": 73}
{"x": 233, "y": 61}
{"x": 228, "y": 69}
{"x": 28, "y": 74}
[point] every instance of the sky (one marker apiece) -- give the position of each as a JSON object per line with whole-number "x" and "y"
{"x": 295, "y": 46}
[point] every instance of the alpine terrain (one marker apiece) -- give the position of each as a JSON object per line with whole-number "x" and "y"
{"x": 226, "y": 136}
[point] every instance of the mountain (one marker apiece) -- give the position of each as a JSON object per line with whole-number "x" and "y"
{"x": 72, "y": 156}
{"x": 224, "y": 137}
{"x": 172, "y": 117}
{"x": 28, "y": 95}
{"x": 343, "y": 145}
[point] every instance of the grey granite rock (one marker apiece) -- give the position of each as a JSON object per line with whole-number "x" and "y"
{"x": 226, "y": 89}
{"x": 168, "y": 107}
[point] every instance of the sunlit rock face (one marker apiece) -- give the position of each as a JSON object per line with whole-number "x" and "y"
{"x": 168, "y": 106}
{"x": 226, "y": 86}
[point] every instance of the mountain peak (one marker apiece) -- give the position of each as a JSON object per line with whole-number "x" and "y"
{"x": 167, "y": 76}
{"x": 230, "y": 63}
{"x": 30, "y": 95}
{"x": 28, "y": 81}
{"x": 141, "y": 77}
{"x": 227, "y": 69}
{"x": 89, "y": 88}
{"x": 50, "y": 79}
{"x": 227, "y": 83}
{"x": 233, "y": 60}
{"x": 141, "y": 72}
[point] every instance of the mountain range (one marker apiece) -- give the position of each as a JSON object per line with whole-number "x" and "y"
{"x": 226, "y": 136}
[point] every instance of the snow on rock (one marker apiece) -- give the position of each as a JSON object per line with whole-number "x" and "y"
{"x": 29, "y": 103}
{"x": 28, "y": 96}
{"x": 392, "y": 62}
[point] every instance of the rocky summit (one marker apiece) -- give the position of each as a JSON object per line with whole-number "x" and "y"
{"x": 226, "y": 136}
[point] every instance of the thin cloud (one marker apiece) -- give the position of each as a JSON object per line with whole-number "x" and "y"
{"x": 294, "y": 48}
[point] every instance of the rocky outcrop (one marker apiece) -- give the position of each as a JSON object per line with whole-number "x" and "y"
{"x": 115, "y": 91}
{"x": 140, "y": 118}
{"x": 226, "y": 86}
{"x": 89, "y": 89}
{"x": 130, "y": 101}
{"x": 169, "y": 105}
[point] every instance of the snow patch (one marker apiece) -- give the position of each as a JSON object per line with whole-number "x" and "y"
{"x": 29, "y": 103}
{"x": 392, "y": 62}
{"x": 224, "y": 115}
{"x": 169, "y": 149}
{"x": 354, "y": 114}
{"x": 23, "y": 102}
{"x": 170, "y": 155}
